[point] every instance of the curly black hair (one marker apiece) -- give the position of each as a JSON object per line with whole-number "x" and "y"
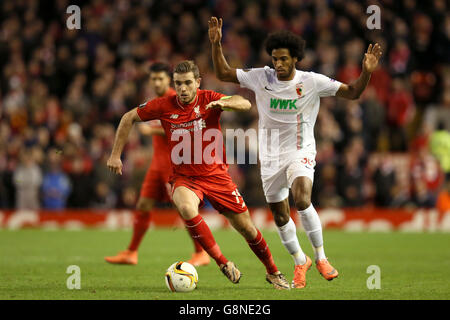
{"x": 288, "y": 40}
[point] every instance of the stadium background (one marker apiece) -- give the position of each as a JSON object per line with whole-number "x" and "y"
{"x": 63, "y": 93}
{"x": 381, "y": 162}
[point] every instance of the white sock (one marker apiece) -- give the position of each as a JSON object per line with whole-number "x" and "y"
{"x": 288, "y": 235}
{"x": 311, "y": 223}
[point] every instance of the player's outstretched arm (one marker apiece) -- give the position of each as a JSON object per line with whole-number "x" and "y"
{"x": 231, "y": 103}
{"x": 126, "y": 123}
{"x": 370, "y": 63}
{"x": 148, "y": 130}
{"x": 223, "y": 71}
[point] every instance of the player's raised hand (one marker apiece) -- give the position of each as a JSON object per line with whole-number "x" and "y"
{"x": 215, "y": 104}
{"x": 371, "y": 57}
{"x": 215, "y": 30}
{"x": 115, "y": 165}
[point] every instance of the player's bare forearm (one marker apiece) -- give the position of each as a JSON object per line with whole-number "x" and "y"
{"x": 125, "y": 125}
{"x": 353, "y": 90}
{"x": 221, "y": 67}
{"x": 231, "y": 103}
{"x": 369, "y": 65}
{"x": 158, "y": 132}
{"x": 223, "y": 71}
{"x": 361, "y": 83}
{"x": 147, "y": 130}
{"x": 236, "y": 103}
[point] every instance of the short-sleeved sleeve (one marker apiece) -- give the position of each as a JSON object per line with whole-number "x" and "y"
{"x": 325, "y": 86}
{"x": 150, "y": 110}
{"x": 155, "y": 123}
{"x": 248, "y": 78}
{"x": 214, "y": 96}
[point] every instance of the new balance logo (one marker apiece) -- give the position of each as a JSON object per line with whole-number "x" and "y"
{"x": 173, "y": 116}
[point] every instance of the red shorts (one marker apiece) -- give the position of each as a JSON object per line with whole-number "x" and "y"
{"x": 156, "y": 185}
{"x": 220, "y": 190}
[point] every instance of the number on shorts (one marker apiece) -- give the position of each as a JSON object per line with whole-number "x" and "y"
{"x": 307, "y": 161}
{"x": 237, "y": 195}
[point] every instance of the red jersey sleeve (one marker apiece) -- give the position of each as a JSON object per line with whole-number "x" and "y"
{"x": 150, "y": 110}
{"x": 213, "y": 96}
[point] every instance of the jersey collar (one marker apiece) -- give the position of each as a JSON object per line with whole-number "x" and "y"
{"x": 190, "y": 105}
{"x": 287, "y": 81}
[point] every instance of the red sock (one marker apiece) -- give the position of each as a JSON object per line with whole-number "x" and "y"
{"x": 262, "y": 251}
{"x": 197, "y": 246}
{"x": 200, "y": 232}
{"x": 140, "y": 226}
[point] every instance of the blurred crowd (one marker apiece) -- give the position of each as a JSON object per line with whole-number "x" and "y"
{"x": 63, "y": 92}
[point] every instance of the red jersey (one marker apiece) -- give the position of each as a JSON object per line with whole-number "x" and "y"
{"x": 161, "y": 153}
{"x": 192, "y": 133}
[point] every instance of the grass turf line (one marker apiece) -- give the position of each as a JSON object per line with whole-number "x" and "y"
{"x": 33, "y": 266}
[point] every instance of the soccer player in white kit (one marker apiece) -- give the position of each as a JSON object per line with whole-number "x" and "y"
{"x": 288, "y": 102}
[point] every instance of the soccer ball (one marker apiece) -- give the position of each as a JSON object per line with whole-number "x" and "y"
{"x": 181, "y": 277}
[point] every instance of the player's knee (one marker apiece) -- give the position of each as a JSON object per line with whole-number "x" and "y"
{"x": 281, "y": 219}
{"x": 302, "y": 202}
{"x": 144, "y": 205}
{"x": 187, "y": 211}
{"x": 301, "y": 190}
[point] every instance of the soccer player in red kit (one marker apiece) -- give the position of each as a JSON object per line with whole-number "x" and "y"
{"x": 198, "y": 170}
{"x": 155, "y": 187}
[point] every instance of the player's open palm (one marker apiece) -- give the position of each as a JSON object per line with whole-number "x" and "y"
{"x": 215, "y": 30}
{"x": 371, "y": 57}
{"x": 215, "y": 104}
{"x": 115, "y": 165}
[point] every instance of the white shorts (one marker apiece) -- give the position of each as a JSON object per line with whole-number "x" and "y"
{"x": 276, "y": 185}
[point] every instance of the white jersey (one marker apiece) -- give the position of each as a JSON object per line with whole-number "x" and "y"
{"x": 287, "y": 111}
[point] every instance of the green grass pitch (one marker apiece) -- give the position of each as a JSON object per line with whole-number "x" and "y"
{"x": 33, "y": 265}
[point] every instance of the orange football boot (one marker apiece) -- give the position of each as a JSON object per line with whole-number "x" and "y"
{"x": 200, "y": 258}
{"x": 326, "y": 269}
{"x": 124, "y": 257}
{"x": 299, "y": 280}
